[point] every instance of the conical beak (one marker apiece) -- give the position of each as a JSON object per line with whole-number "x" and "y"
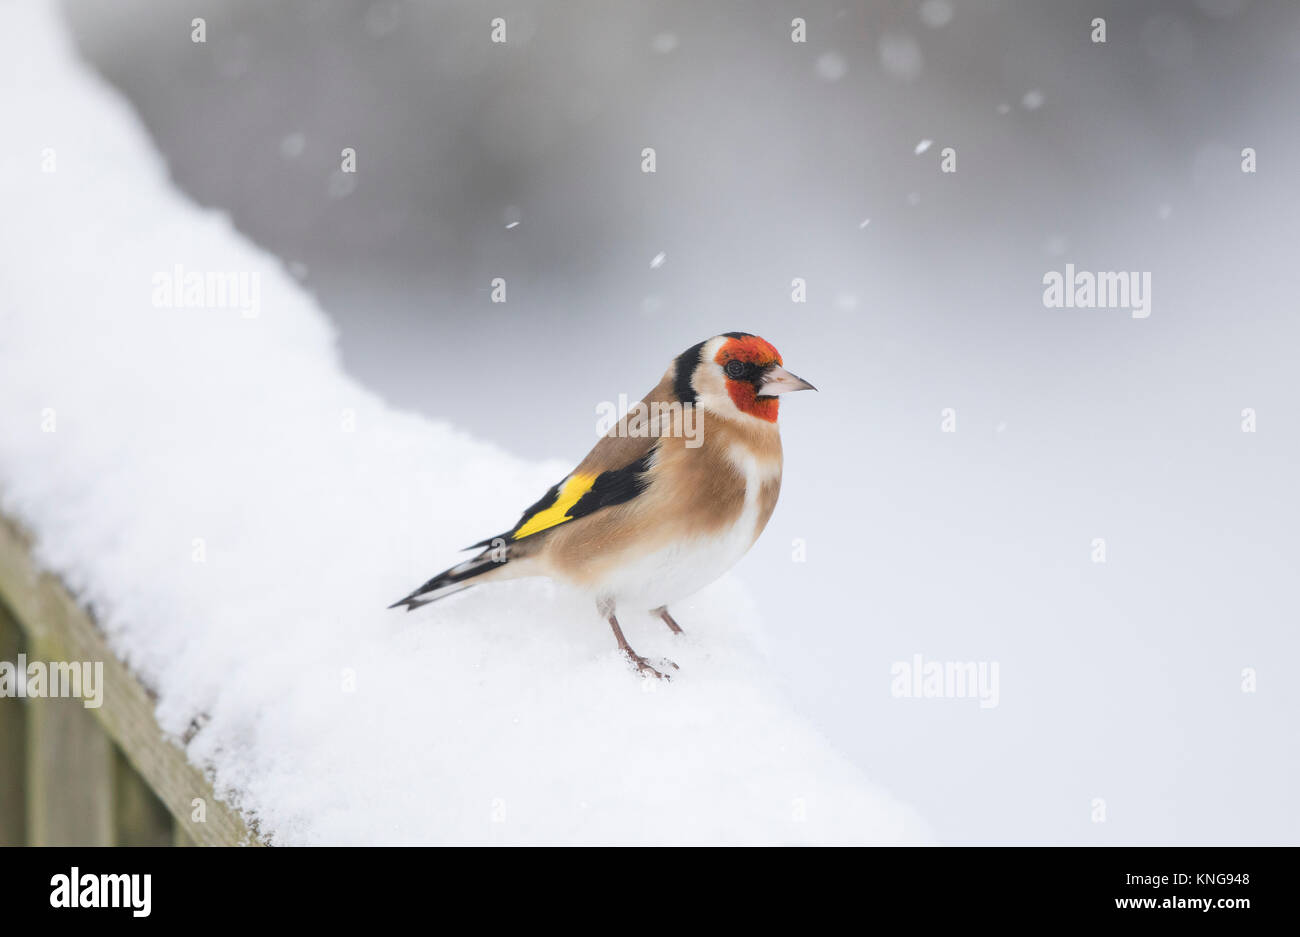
{"x": 780, "y": 381}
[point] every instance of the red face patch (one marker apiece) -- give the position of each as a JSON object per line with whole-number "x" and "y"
{"x": 757, "y": 355}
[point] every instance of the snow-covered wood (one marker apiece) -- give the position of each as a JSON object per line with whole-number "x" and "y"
{"x": 71, "y": 791}
{"x": 13, "y": 746}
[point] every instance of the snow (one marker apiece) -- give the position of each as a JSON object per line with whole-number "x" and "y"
{"x": 238, "y": 512}
{"x": 936, "y": 13}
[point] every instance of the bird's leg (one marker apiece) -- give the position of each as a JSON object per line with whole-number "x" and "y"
{"x": 642, "y": 664}
{"x": 662, "y": 612}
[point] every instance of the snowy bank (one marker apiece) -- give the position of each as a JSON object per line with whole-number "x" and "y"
{"x": 197, "y": 468}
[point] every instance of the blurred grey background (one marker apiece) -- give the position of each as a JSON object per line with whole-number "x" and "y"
{"x": 777, "y": 160}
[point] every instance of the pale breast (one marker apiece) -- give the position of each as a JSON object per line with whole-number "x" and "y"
{"x": 699, "y": 553}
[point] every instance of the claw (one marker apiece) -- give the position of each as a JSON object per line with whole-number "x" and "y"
{"x": 644, "y": 667}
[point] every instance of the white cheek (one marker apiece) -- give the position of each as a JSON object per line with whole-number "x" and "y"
{"x": 711, "y": 386}
{"x": 717, "y": 403}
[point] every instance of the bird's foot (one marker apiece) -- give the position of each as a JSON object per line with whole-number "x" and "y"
{"x": 645, "y": 668}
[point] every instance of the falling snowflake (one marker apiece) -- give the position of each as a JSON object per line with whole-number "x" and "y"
{"x": 292, "y": 145}
{"x": 664, "y": 43}
{"x": 831, "y": 66}
{"x": 936, "y": 13}
{"x": 900, "y": 56}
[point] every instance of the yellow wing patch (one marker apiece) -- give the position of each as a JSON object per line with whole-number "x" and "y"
{"x": 570, "y": 494}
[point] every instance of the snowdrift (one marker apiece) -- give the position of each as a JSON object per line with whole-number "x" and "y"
{"x": 195, "y": 465}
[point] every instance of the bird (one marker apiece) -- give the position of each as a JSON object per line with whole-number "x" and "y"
{"x": 669, "y": 499}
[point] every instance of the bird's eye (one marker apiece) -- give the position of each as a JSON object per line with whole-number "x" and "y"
{"x": 735, "y": 368}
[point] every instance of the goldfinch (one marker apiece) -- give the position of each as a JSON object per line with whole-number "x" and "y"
{"x": 667, "y": 501}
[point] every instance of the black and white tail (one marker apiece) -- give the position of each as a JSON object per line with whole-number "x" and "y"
{"x": 459, "y": 577}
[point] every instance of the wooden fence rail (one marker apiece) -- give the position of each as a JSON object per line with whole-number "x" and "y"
{"x": 71, "y": 775}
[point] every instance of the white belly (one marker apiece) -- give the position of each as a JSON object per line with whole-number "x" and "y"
{"x": 682, "y": 569}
